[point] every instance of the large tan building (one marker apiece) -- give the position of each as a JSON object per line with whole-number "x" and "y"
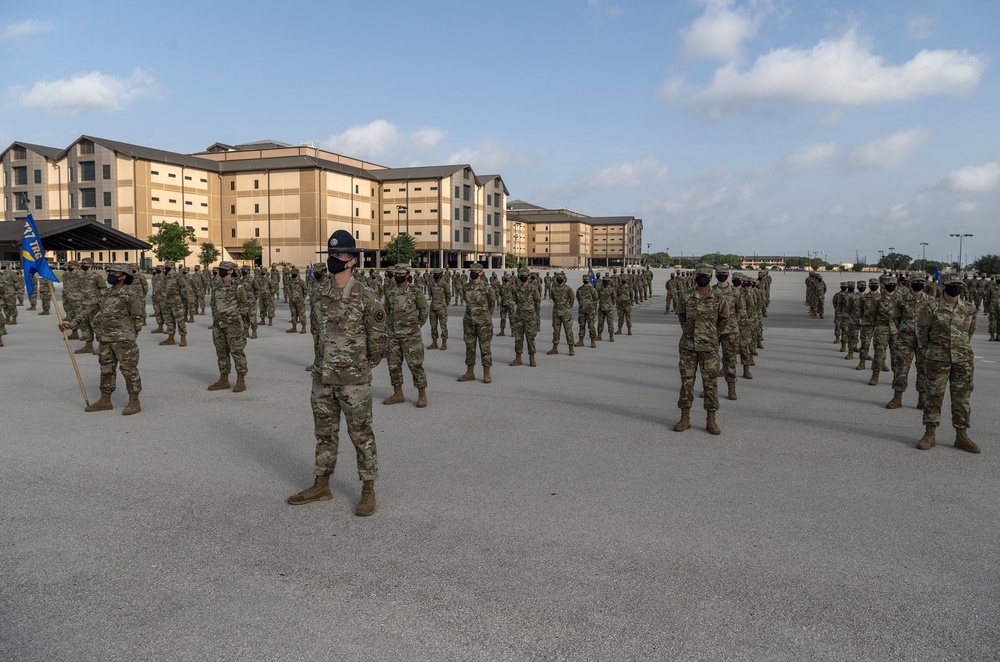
{"x": 563, "y": 238}
{"x": 289, "y": 198}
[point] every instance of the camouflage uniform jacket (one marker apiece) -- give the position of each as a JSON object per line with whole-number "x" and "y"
{"x": 732, "y": 324}
{"x": 587, "y": 298}
{"x": 295, "y": 290}
{"x": 703, "y": 318}
{"x": 352, "y": 335}
{"x": 562, "y": 297}
{"x": 944, "y": 331}
{"x": 884, "y": 310}
{"x": 908, "y": 309}
{"x": 527, "y": 300}
{"x": 117, "y": 316}
{"x": 405, "y": 311}
{"x": 229, "y": 302}
{"x": 90, "y": 287}
{"x": 480, "y": 301}
{"x": 440, "y": 292}
{"x": 607, "y": 295}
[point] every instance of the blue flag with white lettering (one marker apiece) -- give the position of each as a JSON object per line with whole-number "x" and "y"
{"x": 937, "y": 275}
{"x": 590, "y": 270}
{"x": 33, "y": 256}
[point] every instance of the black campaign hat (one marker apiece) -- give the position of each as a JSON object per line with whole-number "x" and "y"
{"x": 341, "y": 241}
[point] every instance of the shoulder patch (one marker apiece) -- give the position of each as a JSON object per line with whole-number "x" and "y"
{"x": 379, "y": 316}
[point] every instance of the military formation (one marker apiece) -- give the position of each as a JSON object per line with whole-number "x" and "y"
{"x": 916, "y": 322}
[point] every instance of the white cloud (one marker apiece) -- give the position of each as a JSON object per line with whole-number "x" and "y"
{"x": 841, "y": 72}
{"x": 381, "y": 138}
{"x": 919, "y": 27}
{"x": 888, "y": 152}
{"x": 599, "y": 8}
{"x": 626, "y": 175}
{"x": 810, "y": 156}
{"x": 23, "y": 29}
{"x": 491, "y": 156}
{"x": 966, "y": 207}
{"x": 93, "y": 91}
{"x": 718, "y": 33}
{"x": 974, "y": 179}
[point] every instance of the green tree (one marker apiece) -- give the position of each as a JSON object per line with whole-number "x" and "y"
{"x": 252, "y": 250}
{"x": 657, "y": 259}
{"x": 859, "y": 267}
{"x": 987, "y": 264}
{"x": 171, "y": 241}
{"x": 722, "y": 258}
{"x": 208, "y": 255}
{"x": 402, "y": 249}
{"x": 895, "y": 262}
{"x": 509, "y": 261}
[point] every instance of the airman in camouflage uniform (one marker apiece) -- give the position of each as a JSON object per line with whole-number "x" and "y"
{"x": 866, "y": 322}
{"x": 587, "y": 300}
{"x": 88, "y": 289}
{"x": 624, "y": 303}
{"x": 250, "y": 314}
{"x": 524, "y": 325}
{"x": 944, "y": 333}
{"x": 8, "y": 294}
{"x": 507, "y": 302}
{"x": 317, "y": 312}
{"x": 744, "y": 311}
{"x": 440, "y": 294}
{"x": 139, "y": 287}
{"x": 854, "y": 307}
{"x": 477, "y": 324}
{"x": 229, "y": 302}
{"x": 157, "y": 298}
{"x": 729, "y": 337}
{"x": 172, "y": 292}
{"x": 116, "y": 318}
{"x": 607, "y": 297}
{"x": 265, "y": 298}
{"x": 295, "y": 295}
{"x": 908, "y": 308}
{"x": 354, "y": 342}
{"x": 198, "y": 284}
{"x": 562, "y": 312}
{"x": 884, "y": 329}
{"x": 405, "y": 313}
{"x": 703, "y": 314}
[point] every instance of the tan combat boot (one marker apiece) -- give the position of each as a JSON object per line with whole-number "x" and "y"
{"x": 554, "y": 350}
{"x": 579, "y": 343}
{"x": 444, "y": 344}
{"x": 746, "y": 372}
{"x": 320, "y": 491}
{"x": 963, "y": 442}
{"x": 593, "y": 343}
{"x": 502, "y": 332}
{"x": 600, "y": 336}
{"x": 843, "y": 346}
{"x": 928, "y": 440}
{"x": 685, "y": 422}
{"x": 531, "y": 361}
{"x": 921, "y": 400}
{"x": 221, "y": 384}
{"x": 850, "y": 355}
{"x": 861, "y": 365}
{"x": 487, "y": 379}
{"x": 732, "y": 391}
{"x": 241, "y": 384}
{"x": 421, "y": 397}
{"x": 302, "y": 329}
{"x": 158, "y": 329}
{"x": 169, "y": 340}
{"x": 396, "y": 397}
{"x": 103, "y": 404}
{"x": 874, "y": 380}
{"x": 293, "y": 329}
{"x": 469, "y": 374}
{"x": 32, "y": 307}
{"x": 710, "y": 423}
{"x": 184, "y": 341}
{"x": 133, "y": 405}
{"x": 517, "y": 359}
{"x": 253, "y": 336}
{"x": 366, "y": 505}
{"x": 86, "y": 349}
{"x": 630, "y": 331}
{"x": 433, "y": 345}
{"x": 270, "y": 321}
{"x": 896, "y": 402}
{"x": 76, "y": 336}
{"x": 571, "y": 352}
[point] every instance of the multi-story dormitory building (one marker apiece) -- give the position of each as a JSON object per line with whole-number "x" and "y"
{"x": 289, "y": 197}
{"x": 563, "y": 238}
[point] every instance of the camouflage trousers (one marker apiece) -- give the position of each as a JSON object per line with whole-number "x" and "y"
{"x": 410, "y": 348}
{"x": 562, "y": 321}
{"x": 625, "y": 316}
{"x": 266, "y": 303}
{"x": 173, "y": 316}
{"x": 355, "y": 401}
{"x": 85, "y": 327}
{"x": 730, "y": 345}
{"x": 230, "y": 341}
{"x": 524, "y": 329}
{"x": 439, "y": 318}
{"x": 992, "y": 323}
{"x": 747, "y": 342}
{"x": 608, "y": 315}
{"x": 3, "y": 326}
{"x": 9, "y": 301}
{"x": 199, "y": 298}
{"x": 853, "y": 331}
{"x": 250, "y": 320}
{"x": 190, "y": 307}
{"x": 690, "y": 361}
{"x": 866, "y": 334}
{"x": 158, "y": 311}
{"x": 884, "y": 340}
{"x": 843, "y": 328}
{"x": 298, "y": 310}
{"x": 124, "y": 355}
{"x": 905, "y": 353}
{"x": 957, "y": 377}
{"x": 587, "y": 322}
{"x": 478, "y": 332}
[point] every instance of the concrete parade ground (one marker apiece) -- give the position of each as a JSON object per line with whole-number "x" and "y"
{"x": 551, "y": 515}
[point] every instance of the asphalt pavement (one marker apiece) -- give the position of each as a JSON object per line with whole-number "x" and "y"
{"x": 550, "y": 515}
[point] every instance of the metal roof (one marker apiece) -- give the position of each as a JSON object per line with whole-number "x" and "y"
{"x": 72, "y": 235}
{"x": 418, "y": 172}
{"x": 158, "y": 155}
{"x": 47, "y": 152}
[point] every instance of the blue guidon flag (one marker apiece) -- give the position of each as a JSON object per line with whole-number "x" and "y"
{"x": 590, "y": 270}
{"x": 33, "y": 256}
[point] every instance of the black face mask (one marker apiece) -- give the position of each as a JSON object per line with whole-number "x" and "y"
{"x": 874, "y": 288}
{"x": 861, "y": 290}
{"x": 722, "y": 278}
{"x": 400, "y": 279}
{"x": 890, "y": 287}
{"x": 318, "y": 275}
{"x": 523, "y": 279}
{"x": 474, "y": 275}
{"x": 223, "y": 273}
{"x": 737, "y": 282}
{"x": 917, "y": 287}
{"x": 560, "y": 280}
{"x": 843, "y": 289}
{"x": 167, "y": 270}
{"x": 86, "y": 267}
{"x": 702, "y": 280}
{"x": 953, "y": 289}
{"x": 335, "y": 266}
{"x": 113, "y": 279}
{"x": 437, "y": 276}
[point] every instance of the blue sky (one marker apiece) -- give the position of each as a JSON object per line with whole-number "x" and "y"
{"x": 762, "y": 126}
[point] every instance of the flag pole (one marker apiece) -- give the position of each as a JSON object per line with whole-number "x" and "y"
{"x": 69, "y": 348}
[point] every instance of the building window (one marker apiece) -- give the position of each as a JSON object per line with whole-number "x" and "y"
{"x": 489, "y": 198}
{"x": 71, "y": 173}
{"x": 373, "y": 213}
{"x": 489, "y": 219}
{"x": 86, "y": 146}
{"x": 489, "y": 239}
{"x": 458, "y": 191}
{"x": 87, "y": 171}
{"x": 107, "y": 198}
{"x": 38, "y": 176}
{"x": 417, "y": 188}
{"x": 466, "y": 189}
{"x": 387, "y": 189}
{"x": 256, "y": 183}
{"x": 386, "y": 212}
{"x": 466, "y": 212}
{"x": 496, "y": 238}
{"x": 387, "y": 234}
{"x": 433, "y": 233}
{"x": 434, "y": 211}
{"x": 154, "y": 172}
{"x": 357, "y": 212}
{"x": 256, "y": 208}
{"x": 355, "y": 189}
{"x": 203, "y": 180}
{"x": 204, "y": 204}
{"x": 38, "y": 202}
{"x": 20, "y": 152}
{"x": 187, "y": 177}
{"x": 466, "y": 235}
{"x": 88, "y": 197}
{"x": 458, "y": 213}
{"x": 458, "y": 236}
{"x": 188, "y": 202}
{"x": 232, "y": 185}
{"x": 402, "y": 190}
{"x": 171, "y": 174}
{"x": 106, "y": 171}
{"x": 434, "y": 188}
{"x": 107, "y": 222}
{"x": 21, "y": 176}
{"x": 256, "y": 232}
{"x": 357, "y": 234}
{"x": 172, "y": 201}
{"x": 417, "y": 211}
{"x": 155, "y": 199}
{"x": 204, "y": 229}
{"x": 232, "y": 209}
{"x": 373, "y": 236}
{"x": 417, "y": 234}
{"x": 232, "y": 233}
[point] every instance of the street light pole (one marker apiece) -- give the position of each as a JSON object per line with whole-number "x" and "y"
{"x": 960, "y": 236}
{"x": 923, "y": 254}
{"x": 399, "y": 208}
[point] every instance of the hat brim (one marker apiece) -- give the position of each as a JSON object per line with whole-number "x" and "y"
{"x": 349, "y": 251}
